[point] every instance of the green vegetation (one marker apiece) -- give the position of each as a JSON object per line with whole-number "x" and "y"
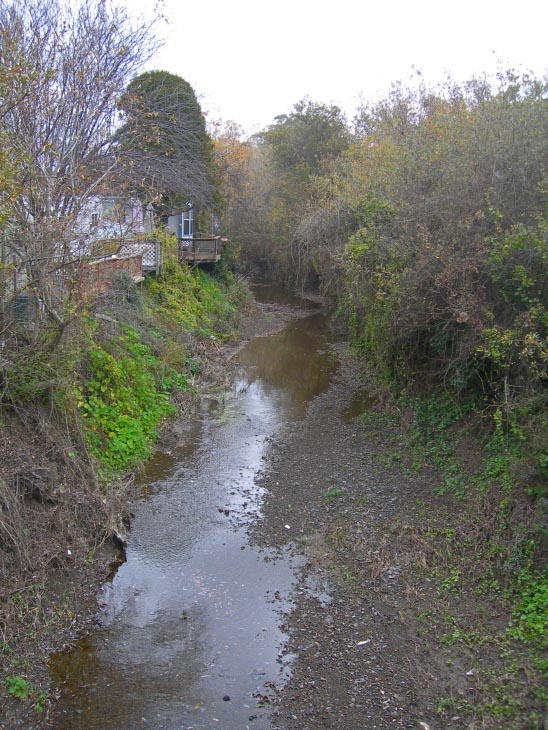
{"x": 124, "y": 399}
{"x": 427, "y": 225}
{"x": 116, "y": 375}
{"x": 18, "y": 687}
{"x": 21, "y": 689}
{"x": 333, "y": 494}
{"x": 192, "y": 300}
{"x": 128, "y": 387}
{"x": 531, "y": 613}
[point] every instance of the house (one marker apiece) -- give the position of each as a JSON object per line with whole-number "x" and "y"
{"x": 114, "y": 219}
{"x": 182, "y": 223}
{"x": 120, "y": 225}
{"x": 116, "y": 227}
{"x": 194, "y": 247}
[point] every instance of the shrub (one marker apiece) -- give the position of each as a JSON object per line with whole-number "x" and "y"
{"x": 123, "y": 400}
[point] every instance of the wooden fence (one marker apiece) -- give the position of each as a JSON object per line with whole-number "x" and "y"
{"x": 95, "y": 277}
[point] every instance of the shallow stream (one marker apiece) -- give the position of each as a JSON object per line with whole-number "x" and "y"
{"x": 189, "y": 630}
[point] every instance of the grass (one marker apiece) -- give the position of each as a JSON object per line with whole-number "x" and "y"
{"x": 333, "y": 495}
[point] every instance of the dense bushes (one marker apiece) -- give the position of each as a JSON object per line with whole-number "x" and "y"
{"x": 428, "y": 226}
{"x": 474, "y": 319}
{"x": 429, "y": 230}
{"x": 455, "y": 277}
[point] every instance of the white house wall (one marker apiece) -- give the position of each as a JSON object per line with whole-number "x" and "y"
{"x": 107, "y": 219}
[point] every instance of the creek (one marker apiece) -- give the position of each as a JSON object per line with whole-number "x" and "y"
{"x": 189, "y": 631}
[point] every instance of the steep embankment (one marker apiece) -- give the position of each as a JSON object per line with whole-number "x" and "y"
{"x": 76, "y": 421}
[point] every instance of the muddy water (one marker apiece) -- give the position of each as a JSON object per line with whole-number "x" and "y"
{"x": 189, "y": 631}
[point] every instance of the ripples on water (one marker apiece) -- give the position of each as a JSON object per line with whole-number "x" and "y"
{"x": 190, "y": 631}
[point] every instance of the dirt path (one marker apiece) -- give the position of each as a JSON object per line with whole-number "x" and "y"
{"x": 362, "y": 661}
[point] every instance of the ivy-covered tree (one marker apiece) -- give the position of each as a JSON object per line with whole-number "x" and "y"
{"x": 164, "y": 145}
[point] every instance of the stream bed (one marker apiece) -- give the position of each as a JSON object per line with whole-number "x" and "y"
{"x": 189, "y": 631}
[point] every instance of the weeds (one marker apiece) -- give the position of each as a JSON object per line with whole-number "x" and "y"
{"x": 480, "y": 564}
{"x": 333, "y": 495}
{"x": 530, "y": 615}
{"x": 18, "y": 687}
{"x": 21, "y": 689}
{"x": 41, "y": 701}
{"x": 123, "y": 400}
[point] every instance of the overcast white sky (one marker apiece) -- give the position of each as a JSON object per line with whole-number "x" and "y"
{"x": 249, "y": 61}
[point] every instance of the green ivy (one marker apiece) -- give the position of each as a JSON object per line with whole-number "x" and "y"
{"x": 195, "y": 300}
{"x": 124, "y": 399}
{"x": 531, "y": 610}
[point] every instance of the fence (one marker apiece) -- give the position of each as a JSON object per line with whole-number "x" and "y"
{"x": 202, "y": 249}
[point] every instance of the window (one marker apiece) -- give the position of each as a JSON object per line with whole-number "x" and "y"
{"x": 187, "y": 224}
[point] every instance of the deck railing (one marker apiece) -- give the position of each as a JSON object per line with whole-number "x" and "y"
{"x": 200, "y": 249}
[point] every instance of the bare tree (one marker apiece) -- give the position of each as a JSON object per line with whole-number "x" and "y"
{"x": 69, "y": 66}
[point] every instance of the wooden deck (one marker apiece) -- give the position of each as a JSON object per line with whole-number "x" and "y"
{"x": 200, "y": 250}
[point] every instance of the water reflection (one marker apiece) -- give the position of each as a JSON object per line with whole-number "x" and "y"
{"x": 266, "y": 292}
{"x": 191, "y": 632}
{"x": 361, "y": 402}
{"x": 166, "y": 666}
{"x": 291, "y": 366}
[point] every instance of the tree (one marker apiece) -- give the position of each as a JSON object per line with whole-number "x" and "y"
{"x": 167, "y": 152}
{"x": 67, "y": 67}
{"x": 234, "y": 161}
{"x": 9, "y": 94}
{"x": 447, "y": 274}
{"x": 298, "y": 150}
{"x": 305, "y": 139}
